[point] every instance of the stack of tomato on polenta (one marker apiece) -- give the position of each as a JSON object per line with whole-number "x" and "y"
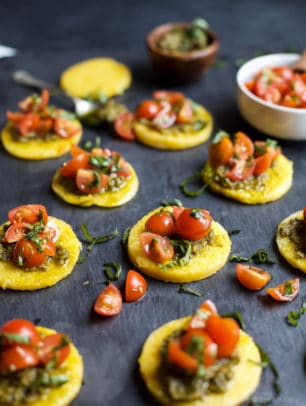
{"x": 40, "y": 130}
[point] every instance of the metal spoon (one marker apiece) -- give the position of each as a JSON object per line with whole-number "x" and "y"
{"x": 81, "y": 106}
{"x": 300, "y": 64}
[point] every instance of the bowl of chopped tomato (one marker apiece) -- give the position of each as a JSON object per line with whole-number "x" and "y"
{"x": 271, "y": 95}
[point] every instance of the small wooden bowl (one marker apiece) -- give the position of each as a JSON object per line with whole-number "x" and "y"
{"x": 180, "y": 67}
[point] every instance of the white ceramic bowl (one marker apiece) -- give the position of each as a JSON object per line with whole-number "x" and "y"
{"x": 281, "y": 122}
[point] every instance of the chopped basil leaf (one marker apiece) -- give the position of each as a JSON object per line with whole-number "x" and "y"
{"x": 81, "y": 258}
{"x": 193, "y": 193}
{"x": 196, "y": 213}
{"x": 125, "y": 236}
{"x": 238, "y": 258}
{"x": 220, "y": 134}
{"x": 288, "y": 288}
{"x": 96, "y": 240}
{"x": 173, "y": 202}
{"x": 293, "y": 317}
{"x": 112, "y": 270}
{"x": 234, "y": 232}
{"x": 237, "y": 316}
{"x": 15, "y": 338}
{"x": 259, "y": 256}
{"x": 185, "y": 289}
{"x": 184, "y": 248}
{"x": 57, "y": 380}
{"x": 271, "y": 143}
{"x": 198, "y": 125}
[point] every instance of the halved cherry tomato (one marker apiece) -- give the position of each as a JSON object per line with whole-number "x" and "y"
{"x": 262, "y": 147}
{"x": 26, "y": 255}
{"x": 15, "y": 232}
{"x": 29, "y": 123}
{"x": 54, "y": 348}
{"x": 18, "y": 357}
{"x": 169, "y": 96}
{"x": 20, "y": 327}
{"x": 147, "y": 109}
{"x": 90, "y": 181}
{"x": 206, "y": 309}
{"x": 209, "y": 350}
{"x": 123, "y": 126}
{"x": 177, "y": 210}
{"x": 48, "y": 246}
{"x": 193, "y": 224}
{"x": 160, "y": 223}
{"x": 224, "y": 332}
{"x": 286, "y": 291}
{"x": 185, "y": 113}
{"x": 135, "y": 286}
{"x": 243, "y": 145}
{"x": 177, "y": 356}
{"x": 65, "y": 128}
{"x": 157, "y": 248}
{"x": 252, "y": 277}
{"x": 221, "y": 152}
{"x": 29, "y": 213}
{"x": 262, "y": 163}
{"x": 240, "y": 169}
{"x": 109, "y": 302}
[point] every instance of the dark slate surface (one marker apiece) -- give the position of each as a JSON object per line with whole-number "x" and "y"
{"x": 52, "y": 36}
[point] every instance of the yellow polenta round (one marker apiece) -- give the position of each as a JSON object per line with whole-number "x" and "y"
{"x": 287, "y": 248}
{"x": 246, "y": 374}
{"x": 14, "y": 277}
{"x": 73, "y": 368}
{"x": 175, "y": 140}
{"x": 105, "y": 199}
{"x": 37, "y": 149}
{"x": 93, "y": 76}
{"x": 277, "y": 182}
{"x": 212, "y": 257}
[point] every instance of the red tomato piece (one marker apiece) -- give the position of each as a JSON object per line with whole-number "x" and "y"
{"x": 206, "y": 309}
{"x": 160, "y": 223}
{"x": 124, "y": 126}
{"x": 262, "y": 163}
{"x": 252, "y": 277}
{"x": 240, "y": 169}
{"x": 44, "y": 126}
{"x": 135, "y": 286}
{"x": 164, "y": 119}
{"x": 14, "y": 117}
{"x": 48, "y": 246}
{"x": 90, "y": 181}
{"x": 15, "y": 232}
{"x": 70, "y": 168}
{"x": 26, "y": 255}
{"x": 209, "y": 350}
{"x": 177, "y": 356}
{"x": 29, "y": 213}
{"x": 44, "y": 99}
{"x": 243, "y": 145}
{"x": 51, "y": 230}
{"x": 171, "y": 97}
{"x": 109, "y": 302}
{"x": 147, "y": 109}
{"x": 18, "y": 357}
{"x": 185, "y": 113}
{"x": 286, "y": 291}
{"x": 221, "y": 152}
{"x": 157, "y": 248}
{"x": 65, "y": 128}
{"x": 20, "y": 327}
{"x": 193, "y": 224}
{"x": 54, "y": 348}
{"x": 29, "y": 123}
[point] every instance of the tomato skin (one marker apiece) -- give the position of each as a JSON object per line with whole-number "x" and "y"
{"x": 44, "y": 99}
{"x": 156, "y": 247}
{"x": 193, "y": 224}
{"x": 18, "y": 357}
{"x": 169, "y": 96}
{"x": 240, "y": 169}
{"x": 251, "y": 277}
{"x": 177, "y": 211}
{"x": 220, "y": 153}
{"x": 22, "y": 327}
{"x": 176, "y": 355}
{"x": 15, "y": 232}
{"x": 135, "y": 286}
{"x": 86, "y": 180}
{"x": 206, "y": 309}
{"x": 279, "y": 292}
{"x": 109, "y": 301}
{"x": 49, "y": 349}
{"x": 185, "y": 113}
{"x": 262, "y": 163}
{"x": 160, "y": 223}
{"x": 26, "y": 252}
{"x": 70, "y": 168}
{"x": 123, "y": 126}
{"x": 147, "y": 109}
{"x": 65, "y": 128}
{"x": 224, "y": 332}
{"x": 210, "y": 348}
{"x": 29, "y": 213}
{"x": 29, "y": 123}
{"x": 243, "y": 145}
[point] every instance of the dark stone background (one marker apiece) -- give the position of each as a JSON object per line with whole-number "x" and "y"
{"x": 52, "y": 35}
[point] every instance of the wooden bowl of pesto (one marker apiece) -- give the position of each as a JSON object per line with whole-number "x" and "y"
{"x": 182, "y": 52}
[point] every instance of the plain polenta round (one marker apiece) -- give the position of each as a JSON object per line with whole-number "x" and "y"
{"x": 246, "y": 374}
{"x": 175, "y": 139}
{"x": 37, "y": 149}
{"x": 16, "y": 278}
{"x": 73, "y": 368}
{"x": 106, "y": 199}
{"x": 287, "y": 247}
{"x": 92, "y": 77}
{"x": 212, "y": 257}
{"x": 277, "y": 181}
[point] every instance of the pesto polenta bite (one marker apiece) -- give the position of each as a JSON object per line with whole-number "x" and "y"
{"x": 178, "y": 244}
{"x": 168, "y": 121}
{"x": 291, "y": 239}
{"x": 100, "y": 177}
{"x": 36, "y": 250}
{"x": 38, "y": 366}
{"x": 203, "y": 360}
{"x": 250, "y": 172}
{"x": 39, "y": 130}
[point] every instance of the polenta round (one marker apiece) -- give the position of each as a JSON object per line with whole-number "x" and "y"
{"x": 212, "y": 257}
{"x": 275, "y": 183}
{"x": 246, "y": 374}
{"x": 14, "y": 277}
{"x": 293, "y": 249}
{"x": 92, "y": 77}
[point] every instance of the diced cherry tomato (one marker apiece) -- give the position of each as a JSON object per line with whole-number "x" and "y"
{"x": 26, "y": 255}
{"x": 241, "y": 169}
{"x": 21, "y": 327}
{"x": 160, "y": 223}
{"x": 224, "y": 332}
{"x": 252, "y": 277}
{"x": 262, "y": 163}
{"x": 48, "y": 246}
{"x": 185, "y": 113}
{"x": 29, "y": 123}
{"x": 177, "y": 356}
{"x": 52, "y": 230}
{"x": 243, "y": 145}
{"x": 206, "y": 309}
{"x": 169, "y": 96}
{"x": 18, "y": 357}
{"x": 164, "y": 119}
{"x": 157, "y": 248}
{"x": 209, "y": 350}
{"x": 292, "y": 99}
{"x": 109, "y": 302}
{"x": 250, "y": 85}
{"x": 15, "y": 232}
{"x": 193, "y": 224}
{"x": 44, "y": 99}
{"x": 44, "y": 126}
{"x": 135, "y": 286}
{"x": 75, "y": 150}
{"x": 286, "y": 291}
{"x": 70, "y": 168}
{"x": 29, "y": 213}
{"x": 147, "y": 109}
{"x": 272, "y": 94}
{"x": 27, "y": 104}
{"x": 90, "y": 181}
{"x": 221, "y": 152}
{"x": 15, "y": 117}
{"x": 65, "y": 128}
{"x": 54, "y": 348}
{"x": 123, "y": 126}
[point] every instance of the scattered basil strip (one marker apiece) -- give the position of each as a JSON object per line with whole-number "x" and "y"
{"x": 184, "y": 246}
{"x": 15, "y": 338}
{"x": 198, "y": 125}
{"x": 260, "y": 256}
{"x": 234, "y": 232}
{"x": 238, "y": 258}
{"x": 173, "y": 202}
{"x": 237, "y": 316}
{"x": 125, "y": 236}
{"x": 96, "y": 240}
{"x": 293, "y": 316}
{"x": 112, "y": 270}
{"x": 195, "y": 177}
{"x": 88, "y": 145}
{"x": 185, "y": 289}
{"x": 81, "y": 259}
{"x": 57, "y": 380}
{"x": 196, "y": 347}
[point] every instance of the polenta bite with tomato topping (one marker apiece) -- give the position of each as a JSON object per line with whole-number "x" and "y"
{"x": 100, "y": 177}
{"x": 178, "y": 244}
{"x": 203, "y": 360}
{"x": 291, "y": 239}
{"x": 38, "y": 366}
{"x": 168, "y": 121}
{"x": 250, "y": 172}
{"x": 36, "y": 250}
{"x": 39, "y": 130}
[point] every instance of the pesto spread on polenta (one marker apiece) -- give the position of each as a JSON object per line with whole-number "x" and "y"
{"x": 295, "y": 230}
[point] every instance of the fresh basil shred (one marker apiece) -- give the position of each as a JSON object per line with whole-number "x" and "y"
{"x": 112, "y": 270}
{"x": 96, "y": 240}
{"x": 237, "y": 316}
{"x": 234, "y": 232}
{"x": 184, "y": 249}
{"x": 293, "y": 316}
{"x": 125, "y": 236}
{"x": 173, "y": 202}
{"x": 15, "y": 338}
{"x": 260, "y": 256}
{"x": 197, "y": 177}
{"x": 186, "y": 289}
